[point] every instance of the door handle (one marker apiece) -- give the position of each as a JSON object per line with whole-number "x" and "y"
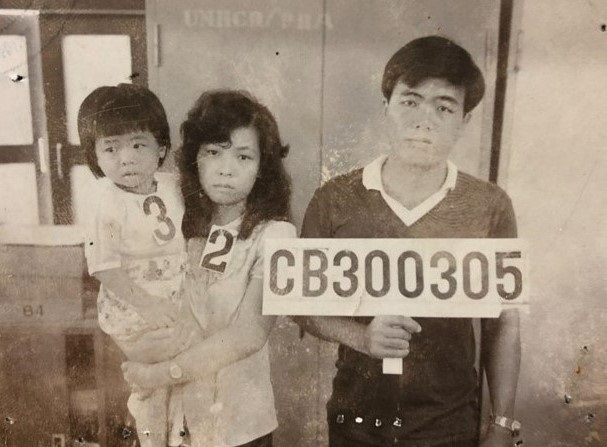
{"x": 43, "y": 155}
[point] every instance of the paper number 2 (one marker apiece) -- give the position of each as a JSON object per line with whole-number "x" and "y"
{"x": 208, "y": 258}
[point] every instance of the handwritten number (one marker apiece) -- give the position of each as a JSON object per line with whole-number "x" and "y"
{"x": 207, "y": 260}
{"x": 31, "y": 311}
{"x": 161, "y": 217}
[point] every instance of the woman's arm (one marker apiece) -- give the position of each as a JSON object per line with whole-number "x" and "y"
{"x": 160, "y": 345}
{"x": 154, "y": 310}
{"x": 247, "y": 334}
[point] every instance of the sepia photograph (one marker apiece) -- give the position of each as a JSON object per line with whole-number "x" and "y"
{"x": 302, "y": 223}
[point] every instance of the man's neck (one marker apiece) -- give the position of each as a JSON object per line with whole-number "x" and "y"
{"x": 411, "y": 184}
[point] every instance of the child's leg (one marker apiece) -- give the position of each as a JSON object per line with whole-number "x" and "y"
{"x": 159, "y": 345}
{"x": 201, "y": 411}
{"x": 150, "y": 412}
{"x": 176, "y": 416}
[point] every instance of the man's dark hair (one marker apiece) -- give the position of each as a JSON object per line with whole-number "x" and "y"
{"x": 118, "y": 110}
{"x": 435, "y": 57}
{"x": 212, "y": 119}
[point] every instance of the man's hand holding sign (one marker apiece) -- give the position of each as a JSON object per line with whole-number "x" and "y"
{"x": 469, "y": 278}
{"x": 387, "y": 337}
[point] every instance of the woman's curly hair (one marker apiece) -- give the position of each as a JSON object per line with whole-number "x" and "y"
{"x": 212, "y": 119}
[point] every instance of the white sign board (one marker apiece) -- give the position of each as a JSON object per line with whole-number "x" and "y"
{"x": 471, "y": 278}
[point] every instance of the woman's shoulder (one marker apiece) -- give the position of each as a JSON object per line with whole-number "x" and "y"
{"x": 276, "y": 229}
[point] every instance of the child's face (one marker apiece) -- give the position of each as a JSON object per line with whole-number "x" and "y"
{"x": 227, "y": 171}
{"x": 425, "y": 121}
{"x": 130, "y": 160}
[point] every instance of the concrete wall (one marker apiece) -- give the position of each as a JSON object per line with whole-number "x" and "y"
{"x": 556, "y": 177}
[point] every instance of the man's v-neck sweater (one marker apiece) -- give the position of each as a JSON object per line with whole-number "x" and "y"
{"x": 436, "y": 399}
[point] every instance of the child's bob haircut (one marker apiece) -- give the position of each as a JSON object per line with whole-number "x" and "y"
{"x": 435, "y": 57}
{"x": 211, "y": 120}
{"x": 119, "y": 110}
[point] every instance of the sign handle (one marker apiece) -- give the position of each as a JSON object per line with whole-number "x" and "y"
{"x": 392, "y": 366}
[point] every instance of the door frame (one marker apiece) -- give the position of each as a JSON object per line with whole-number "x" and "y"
{"x": 27, "y": 25}
{"x": 54, "y": 24}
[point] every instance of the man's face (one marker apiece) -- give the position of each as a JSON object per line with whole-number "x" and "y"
{"x": 425, "y": 121}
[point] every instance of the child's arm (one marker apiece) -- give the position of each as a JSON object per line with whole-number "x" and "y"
{"x": 154, "y": 310}
{"x": 247, "y": 334}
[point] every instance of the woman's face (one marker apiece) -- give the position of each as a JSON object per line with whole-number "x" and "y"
{"x": 227, "y": 171}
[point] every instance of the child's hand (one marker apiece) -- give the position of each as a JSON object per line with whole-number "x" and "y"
{"x": 158, "y": 312}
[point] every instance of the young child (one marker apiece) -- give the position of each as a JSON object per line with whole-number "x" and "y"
{"x": 236, "y": 195}
{"x": 135, "y": 246}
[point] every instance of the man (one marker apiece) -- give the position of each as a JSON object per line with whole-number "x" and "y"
{"x": 430, "y": 87}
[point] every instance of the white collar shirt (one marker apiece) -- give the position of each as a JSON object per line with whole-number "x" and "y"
{"x": 372, "y": 180}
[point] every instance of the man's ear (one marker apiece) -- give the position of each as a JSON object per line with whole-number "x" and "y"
{"x": 467, "y": 117}
{"x": 385, "y": 103}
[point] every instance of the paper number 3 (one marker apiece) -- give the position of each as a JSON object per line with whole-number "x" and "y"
{"x": 161, "y": 216}
{"x": 208, "y": 258}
